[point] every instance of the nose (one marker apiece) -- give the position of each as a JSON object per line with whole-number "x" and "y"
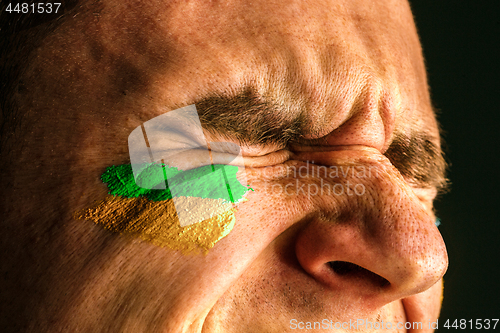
{"x": 375, "y": 244}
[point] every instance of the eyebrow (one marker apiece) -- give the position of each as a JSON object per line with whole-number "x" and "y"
{"x": 419, "y": 160}
{"x": 251, "y": 119}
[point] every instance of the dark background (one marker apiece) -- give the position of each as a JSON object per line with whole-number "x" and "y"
{"x": 461, "y": 42}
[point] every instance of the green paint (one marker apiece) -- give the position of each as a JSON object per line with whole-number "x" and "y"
{"x": 204, "y": 182}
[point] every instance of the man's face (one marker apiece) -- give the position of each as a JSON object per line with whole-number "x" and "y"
{"x": 348, "y": 75}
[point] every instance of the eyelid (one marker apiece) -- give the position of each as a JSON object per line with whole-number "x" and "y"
{"x": 268, "y": 160}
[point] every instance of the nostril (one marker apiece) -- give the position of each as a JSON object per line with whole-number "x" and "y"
{"x": 348, "y": 269}
{"x": 344, "y": 268}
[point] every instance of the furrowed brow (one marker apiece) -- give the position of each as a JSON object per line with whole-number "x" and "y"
{"x": 250, "y": 119}
{"x": 419, "y": 160}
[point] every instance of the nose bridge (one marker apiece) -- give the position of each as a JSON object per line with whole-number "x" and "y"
{"x": 383, "y": 229}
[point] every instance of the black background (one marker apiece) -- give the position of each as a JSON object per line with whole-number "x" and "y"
{"x": 461, "y": 42}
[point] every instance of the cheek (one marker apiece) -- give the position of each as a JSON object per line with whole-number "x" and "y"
{"x": 192, "y": 222}
{"x": 158, "y": 223}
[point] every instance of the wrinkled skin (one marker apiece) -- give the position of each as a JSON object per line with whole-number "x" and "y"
{"x": 355, "y": 67}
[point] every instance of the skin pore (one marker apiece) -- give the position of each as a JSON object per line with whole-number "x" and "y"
{"x": 347, "y": 83}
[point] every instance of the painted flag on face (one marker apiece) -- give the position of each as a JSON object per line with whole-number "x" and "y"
{"x": 170, "y": 153}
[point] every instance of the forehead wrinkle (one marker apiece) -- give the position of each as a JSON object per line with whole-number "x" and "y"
{"x": 291, "y": 54}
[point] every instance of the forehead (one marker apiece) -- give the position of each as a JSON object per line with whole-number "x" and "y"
{"x": 319, "y": 57}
